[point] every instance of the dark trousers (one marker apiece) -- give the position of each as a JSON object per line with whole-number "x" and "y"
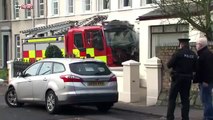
{"x": 182, "y": 86}
{"x": 206, "y": 99}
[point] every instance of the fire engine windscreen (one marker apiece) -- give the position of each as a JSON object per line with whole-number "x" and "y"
{"x": 121, "y": 38}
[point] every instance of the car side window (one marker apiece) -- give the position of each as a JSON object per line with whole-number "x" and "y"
{"x": 45, "y": 68}
{"x": 32, "y": 70}
{"x": 58, "y": 67}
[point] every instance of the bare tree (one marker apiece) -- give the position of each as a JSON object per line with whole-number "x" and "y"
{"x": 195, "y": 12}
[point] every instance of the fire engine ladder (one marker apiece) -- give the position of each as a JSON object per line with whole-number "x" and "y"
{"x": 61, "y": 28}
{"x": 52, "y": 27}
{"x": 86, "y": 22}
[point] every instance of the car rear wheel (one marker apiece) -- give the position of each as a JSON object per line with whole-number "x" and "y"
{"x": 51, "y": 102}
{"x": 104, "y": 107}
{"x": 11, "y": 98}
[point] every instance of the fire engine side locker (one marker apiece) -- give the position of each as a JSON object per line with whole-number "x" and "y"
{"x": 35, "y": 49}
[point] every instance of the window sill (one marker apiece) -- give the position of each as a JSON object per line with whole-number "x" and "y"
{"x": 39, "y": 18}
{"x": 104, "y": 11}
{"x": 42, "y": 16}
{"x": 54, "y": 16}
{"x": 86, "y": 13}
{"x": 69, "y": 14}
{"x": 125, "y": 8}
{"x": 16, "y": 19}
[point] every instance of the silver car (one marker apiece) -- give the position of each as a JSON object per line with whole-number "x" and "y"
{"x": 61, "y": 81}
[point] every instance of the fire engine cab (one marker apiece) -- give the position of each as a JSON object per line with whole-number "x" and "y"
{"x": 109, "y": 43}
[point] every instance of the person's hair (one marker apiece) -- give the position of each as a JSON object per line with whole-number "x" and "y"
{"x": 203, "y": 41}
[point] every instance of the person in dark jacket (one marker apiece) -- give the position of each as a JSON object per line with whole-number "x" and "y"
{"x": 204, "y": 76}
{"x": 183, "y": 64}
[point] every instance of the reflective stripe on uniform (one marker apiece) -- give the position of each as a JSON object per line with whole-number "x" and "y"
{"x": 31, "y": 53}
{"x": 102, "y": 58}
{"x": 91, "y": 52}
{"x": 42, "y": 40}
{"x": 76, "y": 52}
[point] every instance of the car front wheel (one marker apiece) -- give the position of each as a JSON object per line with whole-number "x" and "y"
{"x": 51, "y": 102}
{"x": 11, "y": 98}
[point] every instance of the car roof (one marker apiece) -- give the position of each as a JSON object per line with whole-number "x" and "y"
{"x": 70, "y": 60}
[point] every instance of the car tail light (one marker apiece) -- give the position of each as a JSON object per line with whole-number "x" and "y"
{"x": 113, "y": 79}
{"x": 70, "y": 78}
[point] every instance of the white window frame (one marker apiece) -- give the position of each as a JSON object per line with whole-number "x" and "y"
{"x": 121, "y": 4}
{"x": 53, "y": 9}
{"x": 18, "y": 46}
{"x": 85, "y": 5}
{"x": 101, "y": 5}
{"x": 70, "y": 6}
{"x": 16, "y": 9}
{"x": 28, "y": 12}
{"x": 39, "y": 8}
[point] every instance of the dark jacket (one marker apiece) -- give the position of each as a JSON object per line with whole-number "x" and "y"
{"x": 204, "y": 71}
{"x": 183, "y": 61}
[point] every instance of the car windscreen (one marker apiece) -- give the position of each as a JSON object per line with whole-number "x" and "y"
{"x": 90, "y": 68}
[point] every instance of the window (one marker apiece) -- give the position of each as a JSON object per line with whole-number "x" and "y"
{"x": 32, "y": 71}
{"x": 45, "y": 69}
{"x": 94, "y": 39}
{"x": 17, "y": 43}
{"x": 78, "y": 40}
{"x": 70, "y": 6}
{"x": 41, "y": 8}
{"x": 149, "y": 1}
{"x": 5, "y": 10}
{"x": 16, "y": 9}
{"x": 55, "y": 7}
{"x": 87, "y": 5}
{"x": 166, "y": 35}
{"x": 125, "y": 3}
{"x": 90, "y": 68}
{"x": 103, "y": 5}
{"x": 27, "y": 11}
{"x": 57, "y": 68}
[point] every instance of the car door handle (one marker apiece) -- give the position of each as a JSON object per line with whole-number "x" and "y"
{"x": 29, "y": 81}
{"x": 44, "y": 79}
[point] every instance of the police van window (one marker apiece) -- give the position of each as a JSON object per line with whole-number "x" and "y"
{"x": 97, "y": 41}
{"x": 78, "y": 40}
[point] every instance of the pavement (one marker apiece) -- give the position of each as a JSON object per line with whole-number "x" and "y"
{"x": 140, "y": 107}
{"x": 195, "y": 114}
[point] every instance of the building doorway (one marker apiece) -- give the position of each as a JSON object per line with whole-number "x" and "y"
{"x": 5, "y": 50}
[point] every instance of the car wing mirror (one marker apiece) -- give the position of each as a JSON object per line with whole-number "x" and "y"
{"x": 19, "y": 74}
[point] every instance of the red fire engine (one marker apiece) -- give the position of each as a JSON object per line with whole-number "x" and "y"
{"x": 112, "y": 42}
